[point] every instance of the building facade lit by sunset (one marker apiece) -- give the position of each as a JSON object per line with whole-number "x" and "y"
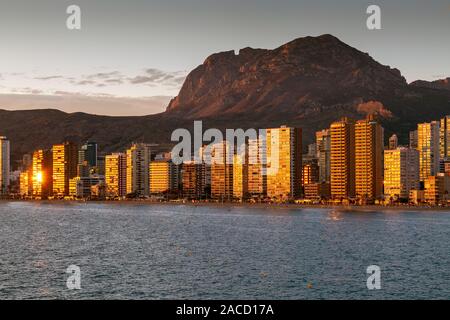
{"x": 221, "y": 171}
{"x": 25, "y": 186}
{"x": 437, "y": 189}
{"x": 193, "y": 180}
{"x": 4, "y": 165}
{"x": 284, "y": 163}
{"x": 240, "y": 176}
{"x": 42, "y": 171}
{"x": 401, "y": 172}
{"x": 428, "y": 146}
{"x": 310, "y": 172}
{"x": 163, "y": 177}
{"x": 65, "y": 160}
{"x": 323, "y": 142}
{"x": 257, "y": 171}
{"x": 369, "y": 145}
{"x": 116, "y": 175}
{"x": 138, "y": 164}
{"x": 342, "y": 159}
{"x": 444, "y": 138}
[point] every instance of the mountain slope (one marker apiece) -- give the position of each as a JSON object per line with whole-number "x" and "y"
{"x": 294, "y": 79}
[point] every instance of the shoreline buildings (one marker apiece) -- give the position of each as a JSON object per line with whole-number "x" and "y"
{"x": 42, "y": 174}
{"x": 342, "y": 161}
{"x": 65, "y": 160}
{"x": 138, "y": 165}
{"x": 346, "y": 164}
{"x": 401, "y": 172}
{"x": 284, "y": 163}
{"x": 369, "y": 146}
{"x": 428, "y": 146}
{"x": 116, "y": 175}
{"x": 5, "y": 170}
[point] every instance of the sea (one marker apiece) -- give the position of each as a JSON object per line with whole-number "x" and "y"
{"x": 89, "y": 250}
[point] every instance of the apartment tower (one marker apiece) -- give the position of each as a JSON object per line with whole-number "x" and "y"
{"x": 4, "y": 165}
{"x": 369, "y": 145}
{"x": 284, "y": 163}
{"x": 342, "y": 159}
{"x": 116, "y": 175}
{"x": 65, "y": 160}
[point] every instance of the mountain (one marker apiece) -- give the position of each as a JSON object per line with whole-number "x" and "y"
{"x": 442, "y": 84}
{"x": 295, "y": 79}
{"x": 308, "y": 82}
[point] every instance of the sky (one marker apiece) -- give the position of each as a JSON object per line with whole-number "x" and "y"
{"x": 131, "y": 57}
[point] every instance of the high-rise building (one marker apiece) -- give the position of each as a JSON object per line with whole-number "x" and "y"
{"x": 42, "y": 170}
{"x": 401, "y": 172}
{"x": 222, "y": 171}
{"x": 65, "y": 160}
{"x": 413, "y": 139}
{"x": 26, "y": 187}
{"x": 257, "y": 171}
{"x": 428, "y": 146}
{"x": 240, "y": 176}
{"x": 323, "y": 141}
{"x": 163, "y": 177}
{"x": 342, "y": 159}
{"x": 369, "y": 145}
{"x": 284, "y": 163}
{"x": 138, "y": 164}
{"x": 446, "y": 170}
{"x": 100, "y": 169}
{"x": 88, "y": 154}
{"x": 444, "y": 138}
{"x": 193, "y": 180}
{"x": 310, "y": 172}
{"x": 81, "y": 187}
{"x": 4, "y": 165}
{"x": 116, "y": 175}
{"x": 437, "y": 189}
{"x": 205, "y": 155}
{"x": 317, "y": 191}
{"x": 393, "y": 142}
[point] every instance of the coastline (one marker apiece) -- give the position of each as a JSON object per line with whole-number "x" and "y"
{"x": 367, "y": 208}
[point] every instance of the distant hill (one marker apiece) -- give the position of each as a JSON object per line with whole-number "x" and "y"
{"x": 442, "y": 84}
{"x": 308, "y": 82}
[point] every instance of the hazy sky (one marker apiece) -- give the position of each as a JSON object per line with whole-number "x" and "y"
{"x": 130, "y": 57}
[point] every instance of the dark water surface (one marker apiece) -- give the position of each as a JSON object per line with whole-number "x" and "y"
{"x": 134, "y": 251}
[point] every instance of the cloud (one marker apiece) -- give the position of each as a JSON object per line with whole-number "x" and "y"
{"x": 84, "y": 82}
{"x": 48, "y": 77}
{"x": 104, "y": 75}
{"x": 140, "y": 79}
{"x": 154, "y": 77}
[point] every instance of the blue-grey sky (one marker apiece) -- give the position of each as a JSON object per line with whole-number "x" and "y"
{"x": 130, "y": 57}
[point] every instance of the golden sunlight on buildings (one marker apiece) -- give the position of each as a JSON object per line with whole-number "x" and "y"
{"x": 342, "y": 158}
{"x": 42, "y": 181}
{"x": 284, "y": 163}
{"x": 369, "y": 145}
{"x": 401, "y": 172}
{"x": 65, "y": 160}
{"x": 428, "y": 146}
{"x": 115, "y": 175}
